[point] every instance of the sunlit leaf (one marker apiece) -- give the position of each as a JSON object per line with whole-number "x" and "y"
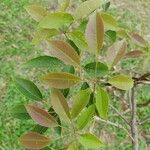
{"x": 41, "y": 116}
{"x": 78, "y": 38}
{"x": 110, "y": 23}
{"x": 90, "y": 141}
{"x": 115, "y": 53}
{"x": 122, "y": 33}
{"x": 85, "y": 117}
{"x": 56, "y": 20}
{"x": 80, "y": 100}
{"x": 43, "y": 62}
{"x": 122, "y": 82}
{"x": 61, "y": 80}
{"x": 19, "y": 111}
{"x": 28, "y": 89}
{"x": 60, "y": 105}
{"x": 63, "y": 51}
{"x": 72, "y": 146}
{"x": 96, "y": 69}
{"x": 102, "y": 102}
{"x": 64, "y": 4}
{"x": 37, "y": 12}
{"x": 43, "y": 34}
{"x": 86, "y": 8}
{"x": 137, "y": 39}
{"x": 95, "y": 33}
{"x": 134, "y": 54}
{"x": 33, "y": 140}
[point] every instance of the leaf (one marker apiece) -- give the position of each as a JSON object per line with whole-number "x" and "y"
{"x": 83, "y": 25}
{"x": 102, "y": 103}
{"x": 33, "y": 140}
{"x": 36, "y": 12}
{"x": 122, "y": 82}
{"x": 78, "y": 38}
{"x": 96, "y": 69}
{"x": 86, "y": 8}
{"x": 94, "y": 33}
{"x": 80, "y": 101}
{"x": 43, "y": 34}
{"x": 72, "y": 146}
{"x": 122, "y": 33}
{"x": 85, "y": 117}
{"x": 61, "y": 80}
{"x": 60, "y": 105}
{"x": 137, "y": 39}
{"x": 90, "y": 141}
{"x": 134, "y": 54}
{"x": 111, "y": 35}
{"x": 39, "y": 129}
{"x": 28, "y": 89}
{"x": 19, "y": 111}
{"x": 56, "y": 20}
{"x": 110, "y": 23}
{"x": 41, "y": 116}
{"x": 106, "y": 6}
{"x": 115, "y": 53}
{"x": 64, "y": 5}
{"x": 43, "y": 62}
{"x": 64, "y": 52}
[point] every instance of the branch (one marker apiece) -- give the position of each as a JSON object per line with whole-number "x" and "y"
{"x": 113, "y": 124}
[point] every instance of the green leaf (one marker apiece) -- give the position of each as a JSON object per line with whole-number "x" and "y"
{"x": 102, "y": 103}
{"x": 94, "y": 33}
{"x": 63, "y": 51}
{"x": 115, "y": 53}
{"x": 56, "y": 20}
{"x": 61, "y": 80}
{"x": 86, "y": 8}
{"x": 37, "y": 12}
{"x": 64, "y": 4}
{"x": 33, "y": 140}
{"x": 41, "y": 116}
{"x": 90, "y": 141}
{"x": 85, "y": 117}
{"x": 96, "y": 69}
{"x": 83, "y": 25}
{"x": 43, "y": 62}
{"x": 72, "y": 146}
{"x": 28, "y": 89}
{"x": 60, "y": 105}
{"x": 43, "y": 34}
{"x": 80, "y": 101}
{"x": 110, "y": 23}
{"x": 78, "y": 38}
{"x": 19, "y": 111}
{"x": 39, "y": 129}
{"x": 122, "y": 82}
{"x": 111, "y": 35}
{"x": 106, "y": 6}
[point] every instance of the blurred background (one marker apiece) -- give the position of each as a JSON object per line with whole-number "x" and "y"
{"x": 16, "y": 29}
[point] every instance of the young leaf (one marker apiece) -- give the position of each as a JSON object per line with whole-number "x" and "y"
{"x": 33, "y": 140}
{"x": 96, "y": 69}
{"x": 86, "y": 8}
{"x": 80, "y": 101}
{"x": 61, "y": 80}
{"x": 36, "y": 12}
{"x": 115, "y": 53}
{"x": 102, "y": 102}
{"x": 56, "y": 20}
{"x": 85, "y": 116}
{"x": 41, "y": 116}
{"x": 134, "y": 54}
{"x": 60, "y": 105}
{"x": 122, "y": 82}
{"x": 64, "y": 52}
{"x": 110, "y": 23}
{"x": 90, "y": 141}
{"x": 19, "y": 111}
{"x": 43, "y": 62}
{"x": 28, "y": 88}
{"x": 94, "y": 33}
{"x": 43, "y": 34}
{"x": 137, "y": 39}
{"x": 78, "y": 38}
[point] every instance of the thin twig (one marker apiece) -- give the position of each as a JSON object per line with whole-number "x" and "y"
{"x": 115, "y": 125}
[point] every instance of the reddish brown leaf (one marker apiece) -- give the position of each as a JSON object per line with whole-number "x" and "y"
{"x": 41, "y": 116}
{"x": 33, "y": 140}
{"x": 134, "y": 54}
